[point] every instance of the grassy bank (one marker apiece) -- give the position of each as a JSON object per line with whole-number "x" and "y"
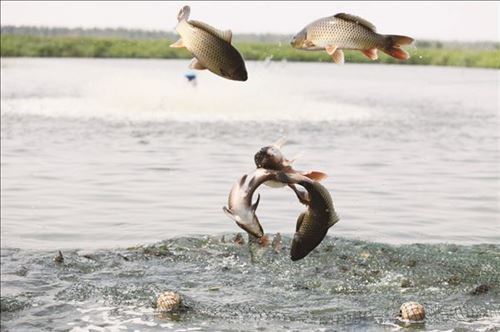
{"x": 114, "y": 47}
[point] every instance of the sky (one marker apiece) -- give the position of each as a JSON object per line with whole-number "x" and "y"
{"x": 460, "y": 21}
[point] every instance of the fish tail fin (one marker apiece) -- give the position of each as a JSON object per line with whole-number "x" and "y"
{"x": 184, "y": 13}
{"x": 315, "y": 175}
{"x": 393, "y": 46}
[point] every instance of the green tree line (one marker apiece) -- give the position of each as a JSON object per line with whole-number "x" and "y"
{"x": 17, "y": 45}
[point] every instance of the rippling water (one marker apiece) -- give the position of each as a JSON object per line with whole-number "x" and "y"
{"x": 345, "y": 284}
{"x": 101, "y": 155}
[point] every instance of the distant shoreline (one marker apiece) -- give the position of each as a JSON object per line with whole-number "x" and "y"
{"x": 17, "y": 45}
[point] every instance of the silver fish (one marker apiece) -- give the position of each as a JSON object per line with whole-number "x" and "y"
{"x": 240, "y": 207}
{"x": 312, "y": 224}
{"x": 210, "y": 47}
{"x": 271, "y": 157}
{"x": 345, "y": 31}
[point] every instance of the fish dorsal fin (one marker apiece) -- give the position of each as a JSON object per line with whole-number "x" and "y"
{"x": 184, "y": 13}
{"x": 226, "y": 35}
{"x": 256, "y": 204}
{"x": 357, "y": 20}
{"x": 280, "y": 142}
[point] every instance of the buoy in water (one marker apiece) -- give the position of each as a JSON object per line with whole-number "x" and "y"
{"x": 168, "y": 302}
{"x": 412, "y": 311}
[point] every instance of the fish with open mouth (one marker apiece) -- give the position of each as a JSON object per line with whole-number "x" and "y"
{"x": 240, "y": 207}
{"x": 346, "y": 31}
{"x": 210, "y": 47}
{"x": 270, "y": 157}
{"x": 312, "y": 224}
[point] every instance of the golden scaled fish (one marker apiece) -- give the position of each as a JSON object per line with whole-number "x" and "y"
{"x": 210, "y": 47}
{"x": 312, "y": 224}
{"x": 345, "y": 31}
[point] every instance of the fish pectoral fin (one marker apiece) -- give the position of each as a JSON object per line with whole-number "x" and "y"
{"x": 229, "y": 213}
{"x": 338, "y": 56}
{"x": 300, "y": 220}
{"x": 256, "y": 204}
{"x": 309, "y": 44}
{"x": 330, "y": 49}
{"x": 336, "y": 53}
{"x": 371, "y": 53}
{"x": 195, "y": 64}
{"x": 178, "y": 44}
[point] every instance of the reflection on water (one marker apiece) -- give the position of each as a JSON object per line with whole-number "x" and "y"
{"x": 110, "y": 153}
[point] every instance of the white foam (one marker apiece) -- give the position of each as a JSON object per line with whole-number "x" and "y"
{"x": 117, "y": 92}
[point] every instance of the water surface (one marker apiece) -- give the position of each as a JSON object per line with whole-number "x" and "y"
{"x": 102, "y": 155}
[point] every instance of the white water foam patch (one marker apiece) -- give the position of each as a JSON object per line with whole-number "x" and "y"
{"x": 122, "y": 319}
{"x": 140, "y": 94}
{"x": 200, "y": 106}
{"x": 110, "y": 319}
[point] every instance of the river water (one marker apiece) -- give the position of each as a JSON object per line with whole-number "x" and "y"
{"x": 109, "y": 160}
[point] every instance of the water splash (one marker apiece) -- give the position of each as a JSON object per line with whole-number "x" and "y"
{"x": 352, "y": 284}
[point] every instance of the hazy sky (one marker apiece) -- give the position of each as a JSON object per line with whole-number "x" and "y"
{"x": 464, "y": 21}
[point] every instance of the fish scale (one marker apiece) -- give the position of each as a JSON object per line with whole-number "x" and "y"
{"x": 312, "y": 224}
{"x": 344, "y": 34}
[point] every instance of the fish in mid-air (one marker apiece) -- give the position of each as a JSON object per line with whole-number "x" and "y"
{"x": 345, "y": 31}
{"x": 271, "y": 157}
{"x": 312, "y": 224}
{"x": 210, "y": 47}
{"x": 240, "y": 207}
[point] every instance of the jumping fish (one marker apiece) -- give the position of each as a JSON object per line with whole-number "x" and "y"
{"x": 345, "y": 31}
{"x": 312, "y": 224}
{"x": 271, "y": 157}
{"x": 210, "y": 47}
{"x": 240, "y": 207}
